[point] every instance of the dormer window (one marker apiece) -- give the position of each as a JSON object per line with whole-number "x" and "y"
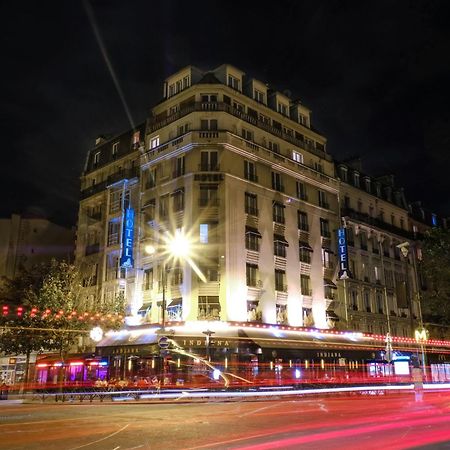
{"x": 367, "y": 184}
{"x": 302, "y": 119}
{"x": 343, "y": 171}
{"x": 233, "y": 82}
{"x": 96, "y": 158}
{"x": 186, "y": 82}
{"x": 115, "y": 148}
{"x": 356, "y": 179}
{"x": 259, "y": 96}
{"x": 282, "y": 109}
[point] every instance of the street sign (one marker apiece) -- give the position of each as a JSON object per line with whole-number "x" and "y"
{"x": 163, "y": 342}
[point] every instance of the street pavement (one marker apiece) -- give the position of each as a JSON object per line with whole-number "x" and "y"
{"x": 389, "y": 421}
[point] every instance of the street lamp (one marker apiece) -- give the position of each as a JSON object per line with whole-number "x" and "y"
{"x": 175, "y": 246}
{"x": 420, "y": 334}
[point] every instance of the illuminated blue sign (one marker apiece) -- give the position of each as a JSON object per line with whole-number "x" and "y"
{"x": 126, "y": 260}
{"x": 344, "y": 271}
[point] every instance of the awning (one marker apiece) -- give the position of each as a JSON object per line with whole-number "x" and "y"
{"x": 305, "y": 245}
{"x": 332, "y": 315}
{"x": 282, "y": 239}
{"x": 144, "y": 307}
{"x": 251, "y": 230}
{"x": 328, "y": 282}
{"x": 175, "y": 302}
{"x": 129, "y": 337}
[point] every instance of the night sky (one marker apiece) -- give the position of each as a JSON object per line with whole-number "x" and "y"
{"x": 375, "y": 74}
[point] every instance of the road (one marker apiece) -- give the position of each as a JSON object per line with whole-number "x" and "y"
{"x": 392, "y": 421}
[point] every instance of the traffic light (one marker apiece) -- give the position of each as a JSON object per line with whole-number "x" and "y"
{"x": 19, "y": 311}
{"x": 5, "y": 310}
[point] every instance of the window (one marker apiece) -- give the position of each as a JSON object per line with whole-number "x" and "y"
{"x": 305, "y": 251}
{"x": 327, "y": 258}
{"x": 251, "y": 204}
{"x": 301, "y": 191}
{"x": 115, "y": 149}
{"x": 297, "y": 157}
{"x": 233, "y": 82}
{"x": 367, "y": 183}
{"x": 178, "y": 200}
{"x": 183, "y": 129}
{"x": 154, "y": 142}
{"x": 208, "y": 195}
{"x": 318, "y": 166}
{"x": 264, "y": 119}
{"x": 303, "y": 119}
{"x": 354, "y": 300}
{"x": 208, "y": 307}
{"x": 275, "y": 147}
{"x": 350, "y": 236}
{"x": 177, "y": 276}
{"x": 325, "y": 228}
{"x": 246, "y": 134}
{"x": 238, "y": 106}
{"x": 379, "y": 302}
{"x": 251, "y": 271}
{"x": 280, "y": 280}
{"x": 277, "y": 182}
{"x": 323, "y": 200}
{"x": 96, "y": 158}
{"x": 356, "y": 179}
{"x": 305, "y": 285}
{"x": 282, "y": 109}
{"x": 288, "y": 131}
{"x": 148, "y": 279}
{"x": 163, "y": 206}
{"x": 179, "y": 167}
{"x": 259, "y": 96}
{"x": 250, "y": 171}
{"x": 209, "y": 98}
{"x": 252, "y": 236}
{"x": 208, "y": 125}
{"x": 377, "y": 274}
{"x": 375, "y": 245}
{"x": 209, "y": 161}
{"x": 347, "y": 203}
{"x": 302, "y": 220}
{"x": 204, "y": 233}
{"x": 115, "y": 201}
{"x": 149, "y": 210}
{"x": 279, "y": 246}
{"x": 278, "y": 212}
{"x": 363, "y": 240}
{"x": 113, "y": 232}
{"x": 343, "y": 172}
{"x": 186, "y": 81}
{"x": 151, "y": 179}
{"x": 366, "y": 300}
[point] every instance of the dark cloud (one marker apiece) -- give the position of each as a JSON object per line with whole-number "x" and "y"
{"x": 375, "y": 75}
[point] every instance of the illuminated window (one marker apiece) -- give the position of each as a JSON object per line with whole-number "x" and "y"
{"x": 297, "y": 157}
{"x": 204, "y": 229}
{"x": 154, "y": 142}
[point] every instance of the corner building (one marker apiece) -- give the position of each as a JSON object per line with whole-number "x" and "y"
{"x": 238, "y": 168}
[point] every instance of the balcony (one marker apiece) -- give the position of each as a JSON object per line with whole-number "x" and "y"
{"x": 121, "y": 175}
{"x": 160, "y": 121}
{"x": 207, "y": 202}
{"x": 92, "y": 249}
{"x": 365, "y": 218}
{"x": 92, "y": 190}
{"x": 209, "y": 167}
{"x": 278, "y": 219}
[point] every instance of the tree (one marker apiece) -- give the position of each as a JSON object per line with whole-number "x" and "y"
{"x": 55, "y": 312}
{"x": 435, "y": 268}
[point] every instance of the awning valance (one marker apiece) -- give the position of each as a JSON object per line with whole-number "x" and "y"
{"x": 305, "y": 245}
{"x": 332, "y": 315}
{"x": 251, "y": 230}
{"x": 145, "y": 307}
{"x": 282, "y": 239}
{"x": 328, "y": 282}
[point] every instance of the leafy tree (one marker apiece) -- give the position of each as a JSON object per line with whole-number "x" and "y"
{"x": 435, "y": 267}
{"x": 55, "y": 311}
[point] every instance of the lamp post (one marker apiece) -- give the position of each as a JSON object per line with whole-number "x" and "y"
{"x": 420, "y": 334}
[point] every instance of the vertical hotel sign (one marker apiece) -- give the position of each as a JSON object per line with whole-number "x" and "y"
{"x": 344, "y": 271}
{"x": 126, "y": 259}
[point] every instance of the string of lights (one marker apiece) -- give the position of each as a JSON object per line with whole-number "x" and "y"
{"x": 21, "y": 312}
